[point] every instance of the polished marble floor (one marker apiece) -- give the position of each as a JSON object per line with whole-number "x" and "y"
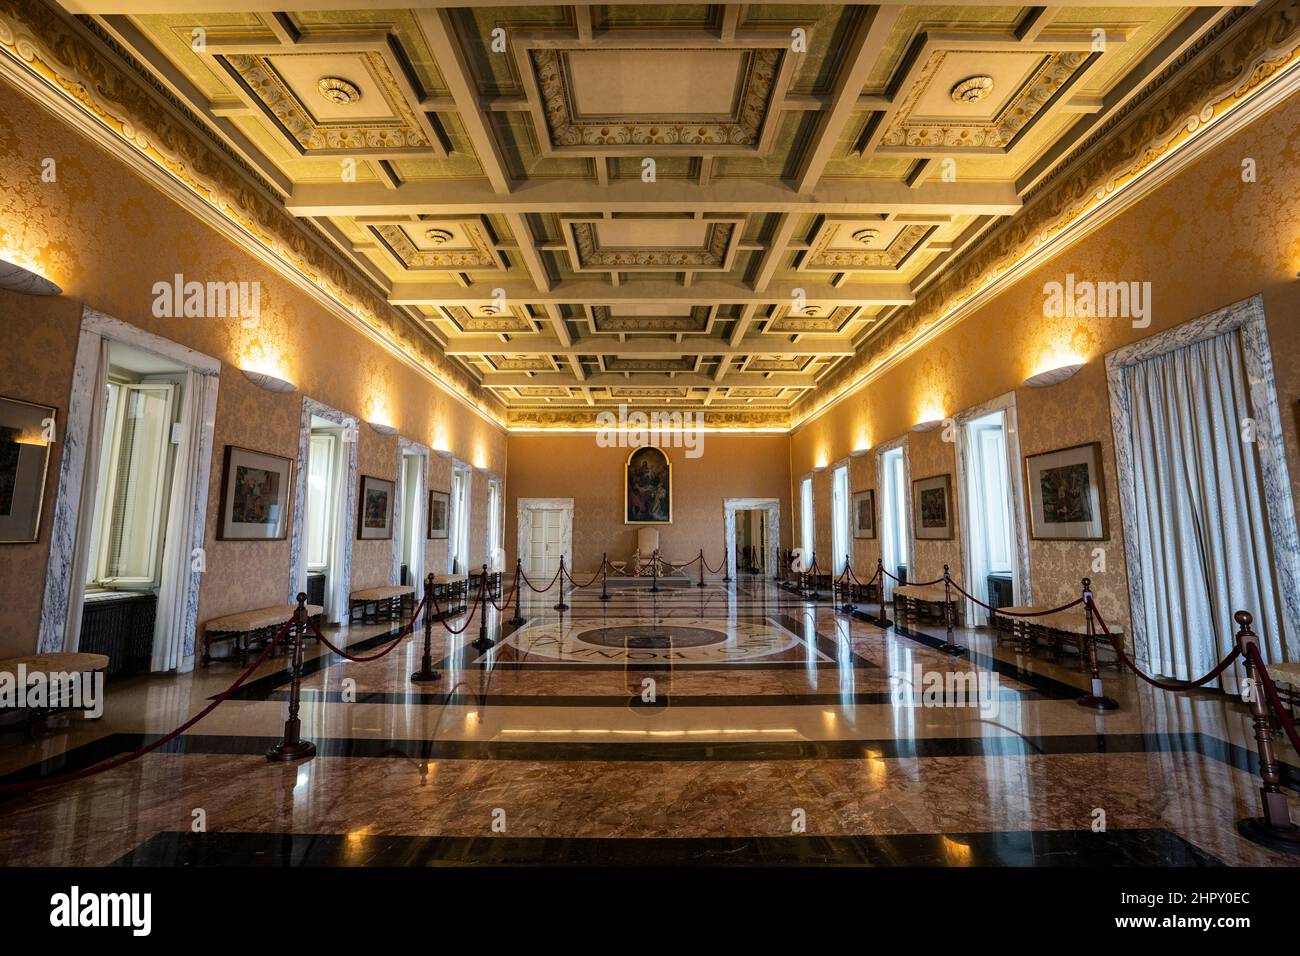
{"x": 725, "y": 725}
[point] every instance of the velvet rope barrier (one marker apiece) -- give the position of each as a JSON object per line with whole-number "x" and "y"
{"x": 997, "y": 610}
{"x": 538, "y": 590}
{"x": 1219, "y": 668}
{"x": 478, "y": 598}
{"x": 404, "y": 632}
{"x": 716, "y": 570}
{"x": 912, "y": 584}
{"x": 594, "y": 578}
{"x": 28, "y": 786}
{"x": 508, "y": 597}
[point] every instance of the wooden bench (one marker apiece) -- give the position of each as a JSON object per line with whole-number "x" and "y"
{"x": 915, "y": 600}
{"x": 449, "y": 591}
{"x": 63, "y": 664}
{"x": 1052, "y": 630}
{"x": 389, "y": 601}
{"x": 1287, "y": 679}
{"x": 251, "y": 627}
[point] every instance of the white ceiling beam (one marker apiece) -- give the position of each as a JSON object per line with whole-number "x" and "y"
{"x": 660, "y": 291}
{"x": 476, "y": 197}
{"x": 641, "y": 347}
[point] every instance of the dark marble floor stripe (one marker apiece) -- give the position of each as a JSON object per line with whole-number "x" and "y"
{"x": 1138, "y": 847}
{"x": 766, "y": 750}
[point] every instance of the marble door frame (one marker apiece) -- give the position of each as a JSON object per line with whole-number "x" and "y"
{"x": 524, "y": 508}
{"x": 406, "y": 446}
{"x": 1247, "y": 318}
{"x": 297, "y": 568}
{"x": 771, "y": 534}
{"x": 95, "y": 327}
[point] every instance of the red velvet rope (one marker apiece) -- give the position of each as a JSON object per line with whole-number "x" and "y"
{"x": 718, "y": 568}
{"x": 594, "y": 578}
{"x": 540, "y": 590}
{"x": 508, "y": 597}
{"x": 912, "y": 584}
{"x": 1163, "y": 685}
{"x": 997, "y": 610}
{"x": 1283, "y": 717}
{"x": 401, "y": 634}
{"x": 478, "y": 598}
{"x": 29, "y": 785}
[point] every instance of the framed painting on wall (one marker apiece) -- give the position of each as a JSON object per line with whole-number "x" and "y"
{"x": 254, "y": 495}
{"x": 439, "y": 508}
{"x": 932, "y": 508}
{"x": 1066, "y": 494}
{"x": 648, "y": 487}
{"x": 25, "y": 431}
{"x": 864, "y": 514}
{"x": 375, "y": 516}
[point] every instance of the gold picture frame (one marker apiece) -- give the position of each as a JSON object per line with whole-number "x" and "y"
{"x": 646, "y": 453}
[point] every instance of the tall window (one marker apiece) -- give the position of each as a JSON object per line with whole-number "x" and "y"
{"x": 893, "y": 512}
{"x": 458, "y": 529}
{"x": 321, "y": 471}
{"x": 840, "y": 517}
{"x": 131, "y": 506}
{"x": 806, "y": 520}
{"x": 494, "y": 524}
{"x": 989, "y": 494}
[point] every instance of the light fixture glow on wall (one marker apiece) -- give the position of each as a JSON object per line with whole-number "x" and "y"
{"x": 929, "y": 425}
{"x": 17, "y": 279}
{"x": 859, "y": 452}
{"x": 382, "y": 428}
{"x": 1054, "y": 376}
{"x": 271, "y": 383}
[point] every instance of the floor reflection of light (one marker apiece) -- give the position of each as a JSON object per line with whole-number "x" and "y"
{"x": 649, "y": 733}
{"x": 876, "y": 767}
{"x": 957, "y": 853}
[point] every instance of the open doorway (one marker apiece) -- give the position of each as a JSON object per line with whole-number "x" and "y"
{"x": 752, "y": 528}
{"x": 993, "y": 545}
{"x": 325, "y": 509}
{"x": 412, "y": 490}
{"x": 894, "y": 481}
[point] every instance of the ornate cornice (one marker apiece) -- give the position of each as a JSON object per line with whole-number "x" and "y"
{"x": 45, "y": 51}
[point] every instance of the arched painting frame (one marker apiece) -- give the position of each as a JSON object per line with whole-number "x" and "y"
{"x": 648, "y": 487}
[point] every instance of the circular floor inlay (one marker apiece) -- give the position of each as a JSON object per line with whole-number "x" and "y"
{"x": 652, "y": 636}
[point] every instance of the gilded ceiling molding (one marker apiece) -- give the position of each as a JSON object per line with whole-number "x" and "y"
{"x": 568, "y": 129}
{"x": 697, "y": 321}
{"x": 410, "y": 256}
{"x": 585, "y": 418}
{"x": 713, "y": 255}
{"x": 1227, "y": 69}
{"x": 1050, "y": 75}
{"x": 823, "y": 258}
{"x": 54, "y": 54}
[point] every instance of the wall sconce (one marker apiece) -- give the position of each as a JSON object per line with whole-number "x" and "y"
{"x": 859, "y": 452}
{"x": 929, "y": 425}
{"x": 818, "y": 469}
{"x": 442, "y": 452}
{"x": 17, "y": 279}
{"x": 382, "y": 428}
{"x": 269, "y": 382}
{"x": 1053, "y": 376}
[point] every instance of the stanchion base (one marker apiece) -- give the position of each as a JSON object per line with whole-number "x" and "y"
{"x": 953, "y": 650}
{"x": 482, "y": 643}
{"x": 426, "y": 677}
{"x": 848, "y": 609}
{"x": 561, "y": 606}
{"x": 1258, "y": 830}
{"x": 606, "y": 597}
{"x": 298, "y": 750}
{"x": 727, "y": 580}
{"x": 517, "y": 621}
{"x": 655, "y": 590}
{"x": 814, "y": 596}
{"x": 700, "y": 584}
{"x": 1093, "y": 702}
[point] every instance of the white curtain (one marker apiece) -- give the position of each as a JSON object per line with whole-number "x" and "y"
{"x": 338, "y": 586}
{"x": 89, "y": 485}
{"x": 174, "y": 625}
{"x": 1202, "y": 524}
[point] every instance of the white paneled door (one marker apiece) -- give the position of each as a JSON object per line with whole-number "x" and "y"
{"x": 546, "y": 543}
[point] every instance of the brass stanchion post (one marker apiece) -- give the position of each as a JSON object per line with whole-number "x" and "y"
{"x": 604, "y": 576}
{"x": 483, "y": 642}
{"x": 654, "y": 570}
{"x": 291, "y": 745}
{"x": 701, "y": 582}
{"x": 726, "y": 568}
{"x": 426, "y": 674}
{"x": 949, "y": 646}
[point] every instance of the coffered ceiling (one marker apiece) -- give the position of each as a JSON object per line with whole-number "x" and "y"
{"x": 665, "y": 205}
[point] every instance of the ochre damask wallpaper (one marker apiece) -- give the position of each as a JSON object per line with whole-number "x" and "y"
{"x": 574, "y": 466}
{"x": 1204, "y": 240}
{"x": 106, "y": 236}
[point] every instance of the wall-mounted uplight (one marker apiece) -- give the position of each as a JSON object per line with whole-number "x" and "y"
{"x": 859, "y": 452}
{"x": 271, "y": 383}
{"x": 382, "y": 428}
{"x": 1053, "y": 376}
{"x": 929, "y": 425}
{"x": 17, "y": 279}
{"x": 442, "y": 452}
